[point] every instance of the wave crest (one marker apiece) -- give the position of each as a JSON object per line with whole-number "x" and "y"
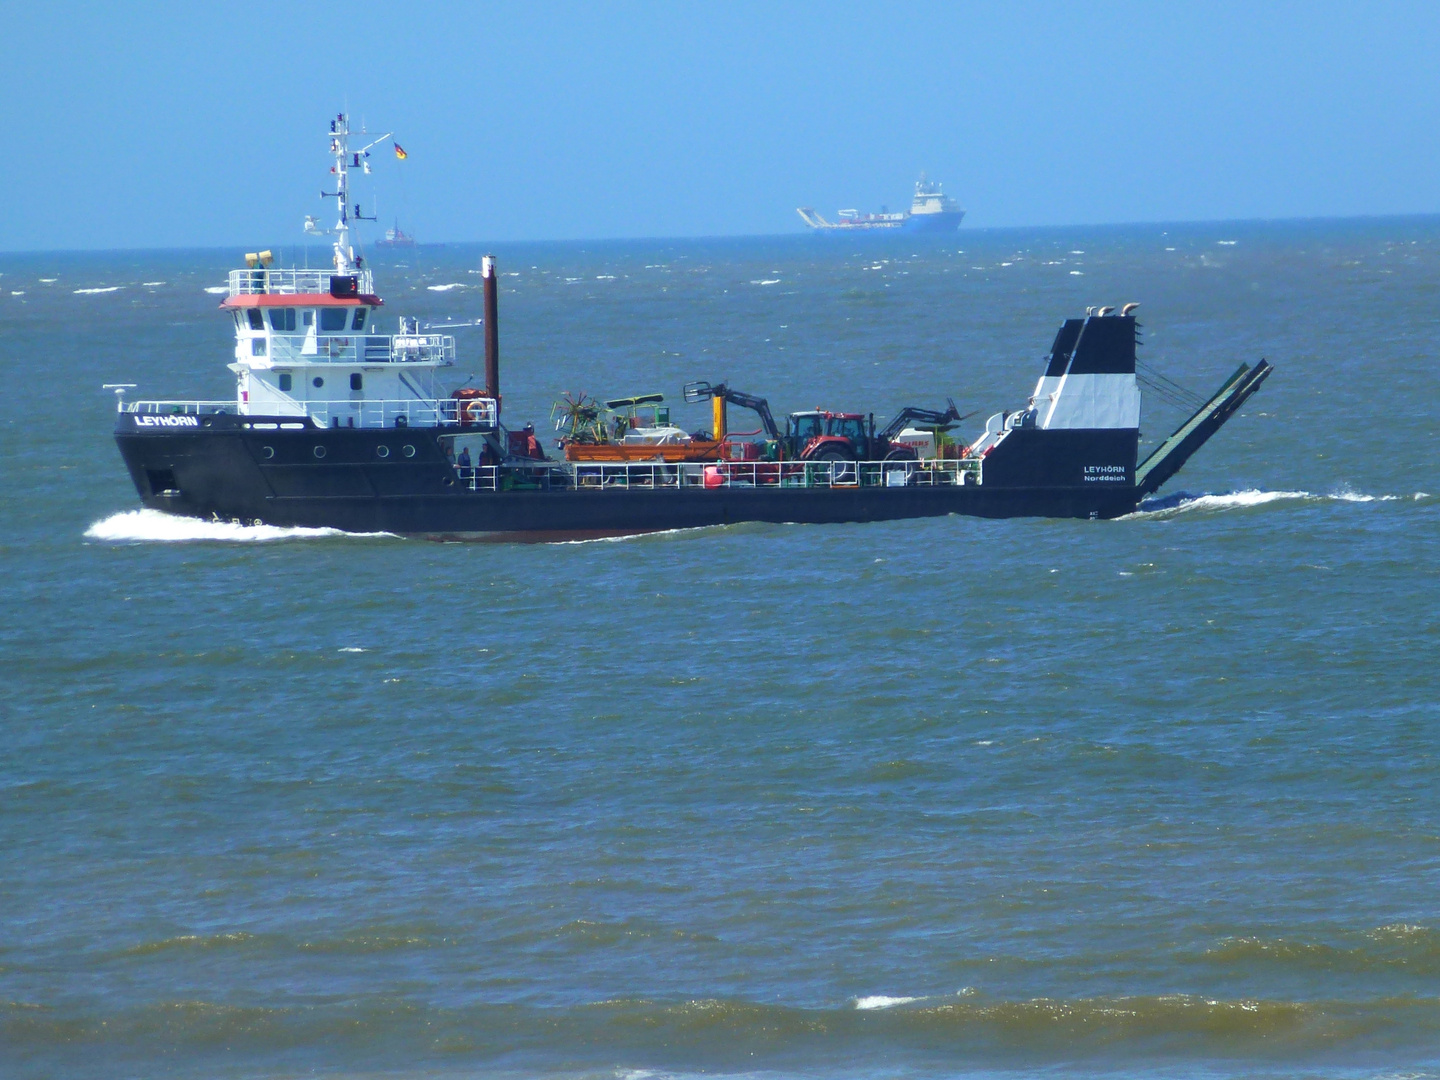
{"x": 1183, "y": 502}
{"x": 1396, "y": 946}
{"x": 723, "y": 1032}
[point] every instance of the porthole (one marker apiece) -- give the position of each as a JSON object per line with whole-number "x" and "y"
{"x": 382, "y": 451}
{"x": 319, "y": 451}
{"x": 408, "y": 451}
{"x": 267, "y": 452}
{"x": 317, "y": 382}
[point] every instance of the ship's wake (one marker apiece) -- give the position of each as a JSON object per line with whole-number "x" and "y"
{"x": 1185, "y": 502}
{"x": 156, "y": 527}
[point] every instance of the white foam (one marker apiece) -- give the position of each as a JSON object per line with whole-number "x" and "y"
{"x": 446, "y": 288}
{"x": 151, "y": 284}
{"x": 628, "y": 537}
{"x": 1243, "y": 500}
{"x": 94, "y": 292}
{"x": 350, "y": 648}
{"x": 880, "y": 1001}
{"x": 17, "y": 292}
{"x": 767, "y": 281}
{"x": 48, "y": 280}
{"x": 216, "y": 290}
{"x": 1354, "y": 496}
{"x": 1232, "y": 500}
{"x": 157, "y": 527}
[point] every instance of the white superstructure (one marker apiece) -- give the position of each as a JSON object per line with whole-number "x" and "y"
{"x": 308, "y": 342}
{"x": 930, "y": 199}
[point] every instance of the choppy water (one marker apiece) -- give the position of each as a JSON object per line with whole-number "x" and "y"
{"x": 1154, "y": 797}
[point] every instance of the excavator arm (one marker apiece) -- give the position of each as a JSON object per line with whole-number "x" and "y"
{"x": 700, "y": 391}
{"x": 929, "y": 417}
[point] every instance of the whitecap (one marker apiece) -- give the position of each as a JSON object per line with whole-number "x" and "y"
{"x": 1355, "y": 496}
{"x": 1184, "y": 502}
{"x": 766, "y": 281}
{"x": 94, "y": 292}
{"x": 446, "y": 288}
{"x": 217, "y": 290}
{"x": 48, "y": 280}
{"x": 17, "y": 292}
{"x": 350, "y": 648}
{"x": 155, "y": 526}
{"x": 604, "y": 277}
{"x": 1227, "y": 243}
{"x": 151, "y": 284}
{"x": 1077, "y": 273}
{"x": 880, "y": 1001}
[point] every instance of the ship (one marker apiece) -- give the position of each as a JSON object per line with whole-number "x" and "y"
{"x": 396, "y": 237}
{"x": 337, "y": 424}
{"x": 931, "y": 212}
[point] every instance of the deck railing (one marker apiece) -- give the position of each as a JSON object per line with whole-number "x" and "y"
{"x": 659, "y": 476}
{"x": 177, "y": 408}
{"x": 372, "y": 413}
{"x": 361, "y": 348}
{"x": 294, "y": 282}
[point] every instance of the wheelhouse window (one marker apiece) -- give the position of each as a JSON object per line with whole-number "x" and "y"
{"x": 286, "y": 382}
{"x": 309, "y": 318}
{"x": 359, "y": 318}
{"x": 257, "y": 346}
{"x": 282, "y": 319}
{"x": 332, "y": 319}
{"x": 257, "y": 320}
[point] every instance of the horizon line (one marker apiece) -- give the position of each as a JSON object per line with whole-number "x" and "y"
{"x": 927, "y": 240}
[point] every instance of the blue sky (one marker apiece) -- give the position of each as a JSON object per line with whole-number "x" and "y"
{"x": 170, "y": 124}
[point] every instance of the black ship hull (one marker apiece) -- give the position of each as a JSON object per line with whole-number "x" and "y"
{"x": 221, "y": 467}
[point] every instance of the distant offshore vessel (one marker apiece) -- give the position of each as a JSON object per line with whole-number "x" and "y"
{"x": 931, "y": 211}
{"x": 396, "y": 237}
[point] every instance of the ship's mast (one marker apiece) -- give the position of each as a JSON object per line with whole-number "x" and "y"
{"x": 344, "y": 161}
{"x": 340, "y": 149}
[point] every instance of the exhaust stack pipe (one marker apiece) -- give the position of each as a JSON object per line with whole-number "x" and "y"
{"x": 492, "y": 330}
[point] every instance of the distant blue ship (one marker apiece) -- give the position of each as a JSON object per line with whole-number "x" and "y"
{"x": 931, "y": 211}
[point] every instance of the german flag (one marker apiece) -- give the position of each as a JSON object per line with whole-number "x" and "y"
{"x": 400, "y": 152}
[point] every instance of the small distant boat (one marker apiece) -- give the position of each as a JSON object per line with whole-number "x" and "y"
{"x": 931, "y": 211}
{"x": 396, "y": 237}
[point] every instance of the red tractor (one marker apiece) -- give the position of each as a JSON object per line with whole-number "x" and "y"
{"x": 833, "y": 436}
{"x": 828, "y": 436}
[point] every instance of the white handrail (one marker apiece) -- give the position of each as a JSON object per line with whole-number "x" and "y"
{"x": 478, "y": 413}
{"x": 362, "y": 348}
{"x": 657, "y": 476}
{"x": 264, "y": 281}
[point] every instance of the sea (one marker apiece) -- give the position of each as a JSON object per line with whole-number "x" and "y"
{"x": 1153, "y": 797}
